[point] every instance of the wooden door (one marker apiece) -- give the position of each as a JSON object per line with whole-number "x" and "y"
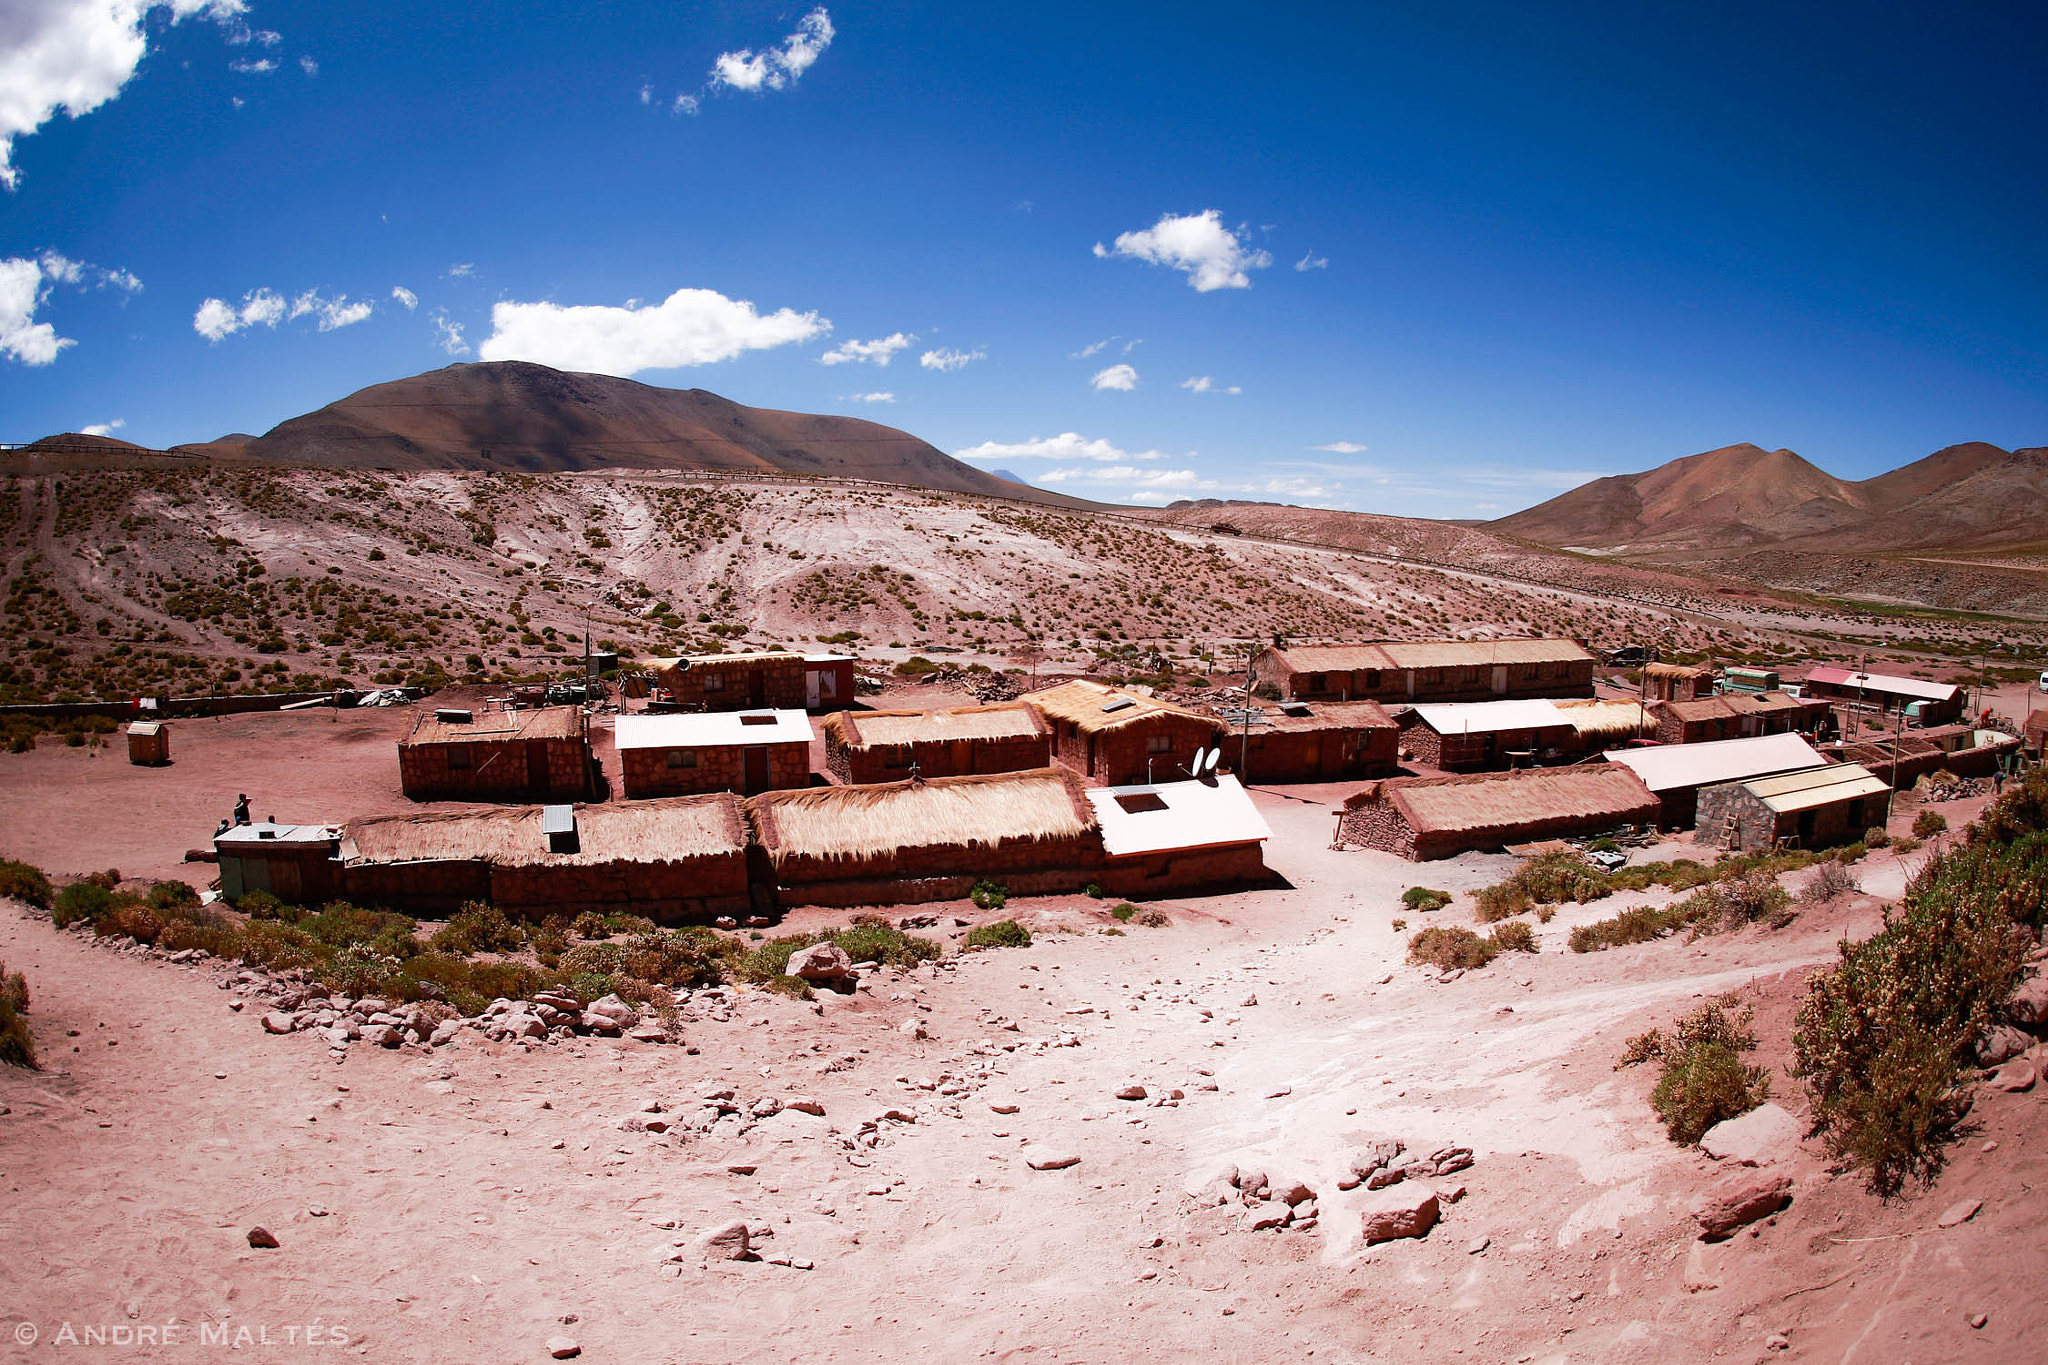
{"x": 537, "y": 767}
{"x": 757, "y": 686}
{"x": 756, "y": 777}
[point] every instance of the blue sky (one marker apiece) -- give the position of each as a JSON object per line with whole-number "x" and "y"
{"x": 1439, "y": 260}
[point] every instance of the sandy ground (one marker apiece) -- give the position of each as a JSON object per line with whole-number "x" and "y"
{"x": 473, "y": 1197}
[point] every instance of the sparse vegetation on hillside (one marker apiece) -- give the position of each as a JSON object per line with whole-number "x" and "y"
{"x": 17, "y": 1040}
{"x": 1702, "y": 1079}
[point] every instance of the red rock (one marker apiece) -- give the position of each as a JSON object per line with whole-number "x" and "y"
{"x": 1398, "y": 1212}
{"x": 1959, "y": 1213}
{"x": 1739, "y": 1201}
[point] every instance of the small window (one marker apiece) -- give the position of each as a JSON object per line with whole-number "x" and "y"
{"x": 1372, "y": 677}
{"x": 1159, "y": 744}
{"x": 682, "y": 758}
{"x": 759, "y": 718}
{"x": 1317, "y": 682}
{"x": 714, "y": 682}
{"x": 459, "y": 758}
{"x": 1364, "y": 740}
{"x": 1137, "y": 803}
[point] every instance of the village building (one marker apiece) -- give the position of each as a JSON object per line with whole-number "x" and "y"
{"x": 1179, "y": 837}
{"x": 1606, "y": 724}
{"x": 1737, "y": 715}
{"x": 737, "y": 751}
{"x": 2035, "y": 735}
{"x": 1970, "y": 751}
{"x": 294, "y": 863}
{"x": 889, "y": 746}
{"x": 149, "y": 743}
{"x": 673, "y": 861}
{"x": 1677, "y": 682}
{"x": 1034, "y": 833}
{"x": 1811, "y": 809}
{"x": 1115, "y": 738}
{"x": 1677, "y": 772}
{"x": 1439, "y": 817}
{"x": 828, "y": 681}
{"x": 1298, "y": 741}
{"x": 1924, "y": 702}
{"x": 1427, "y": 670}
{"x": 1482, "y": 735}
{"x": 458, "y": 755}
{"x": 770, "y": 680}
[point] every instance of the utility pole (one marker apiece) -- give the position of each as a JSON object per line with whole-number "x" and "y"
{"x": 1244, "y": 743}
{"x": 1898, "y": 730}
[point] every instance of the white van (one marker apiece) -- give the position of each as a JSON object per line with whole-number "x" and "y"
{"x": 2044, "y": 680}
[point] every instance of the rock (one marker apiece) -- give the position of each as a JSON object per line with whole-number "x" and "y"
{"x": 1002, "y": 1108}
{"x": 913, "y": 1029}
{"x": 1764, "y": 1134}
{"x": 768, "y": 1106}
{"x": 277, "y": 1022}
{"x": 1977, "y": 1320}
{"x": 1397, "y": 1213}
{"x": 726, "y": 1242}
{"x": 1132, "y": 1092}
{"x": 444, "y": 1032}
{"x": 610, "y": 1015}
{"x": 371, "y": 1005}
{"x": 1052, "y": 1161}
{"x": 383, "y": 1035}
{"x": 2029, "y": 1004}
{"x": 1473, "y": 1248}
{"x": 1292, "y": 1192}
{"x": 804, "y": 1104}
{"x": 1271, "y": 1214}
{"x": 1777, "y": 1341}
{"x": 1959, "y": 1214}
{"x": 1740, "y": 1200}
{"x": 1379, "y": 1180}
{"x": 519, "y": 1024}
{"x": 1378, "y": 1152}
{"x": 821, "y": 962}
{"x": 2016, "y": 1075}
{"x": 564, "y": 1348}
{"x": 648, "y": 1033}
{"x": 263, "y": 1237}
{"x": 2000, "y": 1043}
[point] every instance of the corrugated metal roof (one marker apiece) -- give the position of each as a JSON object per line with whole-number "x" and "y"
{"x": 1490, "y": 717}
{"x": 548, "y": 722}
{"x": 712, "y": 730}
{"x": 1731, "y": 705}
{"x": 1334, "y": 658}
{"x": 1818, "y": 787}
{"x": 1166, "y": 816}
{"x": 1473, "y": 653}
{"x": 1673, "y": 767}
{"x": 1516, "y": 800}
{"x": 1884, "y": 682}
{"x": 1011, "y": 720}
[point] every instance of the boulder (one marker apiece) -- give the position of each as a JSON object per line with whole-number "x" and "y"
{"x": 1740, "y": 1200}
{"x": 726, "y": 1242}
{"x": 263, "y": 1237}
{"x": 1397, "y": 1212}
{"x": 2029, "y": 1004}
{"x": 1766, "y": 1133}
{"x": 610, "y": 1015}
{"x": 768, "y": 1106}
{"x": 804, "y": 1104}
{"x": 383, "y": 1035}
{"x": 2001, "y": 1043}
{"x": 444, "y": 1032}
{"x": 2016, "y": 1075}
{"x": 1052, "y": 1161}
{"x": 1131, "y": 1092}
{"x": 563, "y": 1348}
{"x": 821, "y": 962}
{"x": 277, "y": 1022}
{"x": 1377, "y": 1153}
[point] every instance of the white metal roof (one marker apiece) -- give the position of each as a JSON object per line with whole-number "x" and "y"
{"x": 269, "y": 834}
{"x": 1884, "y": 682}
{"x": 1486, "y": 717}
{"x": 712, "y": 729}
{"x": 1671, "y": 767}
{"x": 1803, "y": 791}
{"x": 1181, "y": 815}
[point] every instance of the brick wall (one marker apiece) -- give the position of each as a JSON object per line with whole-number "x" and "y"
{"x": 1118, "y": 757}
{"x": 718, "y": 768}
{"x": 782, "y": 684}
{"x": 948, "y": 758}
{"x": 498, "y": 770}
{"x": 1313, "y": 755}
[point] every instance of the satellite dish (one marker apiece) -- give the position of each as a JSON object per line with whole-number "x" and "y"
{"x": 1208, "y": 761}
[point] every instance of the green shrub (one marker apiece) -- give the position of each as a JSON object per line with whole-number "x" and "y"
{"x": 1547, "y": 879}
{"x": 1093, "y": 891}
{"x": 478, "y": 928}
{"x": 1425, "y": 898}
{"x": 989, "y": 895}
{"x": 1003, "y": 933}
{"x": 17, "y": 1040}
{"x": 1123, "y": 912}
{"x": 916, "y": 666}
{"x": 172, "y": 895}
{"x": 1929, "y": 823}
{"x": 81, "y": 901}
{"x": 1490, "y": 904}
{"x": 1516, "y": 936}
{"x": 1152, "y": 917}
{"x": 1638, "y": 924}
{"x": 1704, "y": 1079}
{"x": 263, "y": 905}
{"x": 1447, "y": 946}
{"x": 24, "y": 883}
{"x": 873, "y": 939}
{"x": 1875, "y": 837}
{"x": 795, "y": 987}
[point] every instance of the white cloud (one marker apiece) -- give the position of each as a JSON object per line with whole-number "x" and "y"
{"x": 776, "y": 67}
{"x": 685, "y": 104}
{"x": 1129, "y": 475}
{"x": 75, "y": 55}
{"x": 123, "y": 280}
{"x": 1342, "y": 448}
{"x": 945, "y": 359}
{"x": 103, "y": 428}
{"x": 689, "y": 327}
{"x": 217, "y": 318}
{"x": 405, "y": 296}
{"x": 1312, "y": 262}
{"x": 460, "y": 271}
{"x": 877, "y": 352}
{"x": 1068, "y": 445}
{"x": 1122, "y": 378}
{"x": 1197, "y": 244}
{"x": 1204, "y": 384}
{"x": 331, "y": 313}
{"x": 647, "y": 94}
{"x": 448, "y": 334}
{"x": 22, "y": 338}
{"x": 872, "y": 397}
{"x": 309, "y": 66}
{"x": 261, "y": 66}
{"x": 1087, "y": 351}
{"x": 1133, "y": 344}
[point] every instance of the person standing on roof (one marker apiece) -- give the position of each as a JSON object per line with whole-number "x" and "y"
{"x": 242, "y": 809}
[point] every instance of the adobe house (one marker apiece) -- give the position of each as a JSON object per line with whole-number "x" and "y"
{"x": 458, "y": 755}
{"x": 1114, "y": 738}
{"x": 1179, "y": 837}
{"x": 295, "y": 863}
{"x": 1439, "y": 817}
{"x": 1427, "y": 670}
{"x": 1925, "y": 703}
{"x": 1678, "y": 772}
{"x": 738, "y": 751}
{"x": 1735, "y": 715}
{"x": 677, "y": 860}
{"x": 828, "y": 681}
{"x": 1474, "y": 736}
{"x": 1676, "y": 682}
{"x": 1811, "y": 809}
{"x": 1602, "y": 724}
{"x": 1298, "y": 741}
{"x": 772, "y": 680}
{"x": 886, "y": 746}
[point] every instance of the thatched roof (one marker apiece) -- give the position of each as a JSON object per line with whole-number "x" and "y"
{"x": 1729, "y": 706}
{"x": 1503, "y": 803}
{"x": 1677, "y": 671}
{"x": 547, "y": 722}
{"x": 1607, "y": 720}
{"x": 878, "y": 729}
{"x": 1095, "y": 708}
{"x": 713, "y": 663}
{"x": 673, "y": 829}
{"x": 1325, "y": 715}
{"x": 1333, "y": 658}
{"x": 1478, "y": 653}
{"x": 875, "y": 822}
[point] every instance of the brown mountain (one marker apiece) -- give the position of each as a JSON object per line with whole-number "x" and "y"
{"x": 510, "y": 415}
{"x": 1973, "y": 496}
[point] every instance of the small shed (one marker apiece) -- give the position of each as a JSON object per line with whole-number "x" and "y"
{"x": 295, "y": 863}
{"x": 1929, "y": 703}
{"x": 456, "y": 755}
{"x": 769, "y": 680}
{"x": 1179, "y": 837}
{"x": 1677, "y": 682}
{"x": 739, "y": 751}
{"x": 886, "y": 746}
{"x": 1325, "y": 741}
{"x": 1477, "y": 736}
{"x": 149, "y": 743}
{"x": 828, "y": 681}
{"x": 916, "y": 841}
{"x": 1735, "y": 715}
{"x": 1114, "y": 737}
{"x": 1811, "y": 809}
{"x": 1677, "y": 772}
{"x": 1603, "y": 724}
{"x": 1438, "y": 817}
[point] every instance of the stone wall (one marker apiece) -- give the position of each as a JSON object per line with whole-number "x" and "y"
{"x": 1308, "y": 756}
{"x": 718, "y": 768}
{"x": 741, "y": 684}
{"x": 498, "y": 770}
{"x": 938, "y": 758}
{"x": 1118, "y": 758}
